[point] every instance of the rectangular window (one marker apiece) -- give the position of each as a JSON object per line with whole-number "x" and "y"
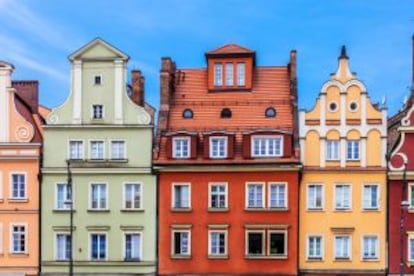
{"x": 370, "y": 197}
{"x": 18, "y": 186}
{"x": 63, "y": 247}
{"x": 97, "y": 79}
{"x": 118, "y": 151}
{"x": 411, "y": 249}
{"x": 75, "y": 150}
{"x": 370, "y": 247}
{"x": 255, "y": 196}
{"x": 241, "y": 74}
{"x": 255, "y": 243}
{"x": 63, "y": 196}
{"x": 18, "y": 239}
{"x": 314, "y": 247}
{"x": 332, "y": 150}
{"x": 266, "y": 242}
{"x": 277, "y": 243}
{"x": 218, "y": 195}
{"x": 218, "y": 147}
{"x": 314, "y": 197}
{"x": 342, "y": 197}
{"x": 218, "y": 74}
{"x": 98, "y": 247}
{"x": 97, "y": 150}
{"x": 342, "y": 247}
{"x": 133, "y": 247}
{"x": 98, "y": 196}
{"x": 277, "y": 195}
{"x": 181, "y": 147}
{"x": 217, "y": 243}
{"x": 352, "y": 152}
{"x": 97, "y": 111}
{"x": 229, "y": 74}
{"x": 411, "y": 195}
{"x": 266, "y": 146}
{"x": 181, "y": 242}
{"x": 133, "y": 196}
{"x": 181, "y": 196}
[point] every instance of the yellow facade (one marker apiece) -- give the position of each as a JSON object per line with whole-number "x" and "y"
{"x": 343, "y": 190}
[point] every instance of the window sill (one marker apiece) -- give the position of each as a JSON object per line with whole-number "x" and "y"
{"x": 218, "y": 210}
{"x": 265, "y": 156}
{"x": 19, "y": 255}
{"x": 338, "y": 259}
{"x": 18, "y": 200}
{"x": 373, "y": 259}
{"x": 99, "y": 210}
{"x": 181, "y": 158}
{"x": 182, "y": 257}
{"x": 410, "y": 210}
{"x": 370, "y": 210}
{"x": 315, "y": 210}
{"x": 259, "y": 209}
{"x": 343, "y": 210}
{"x": 218, "y": 257}
{"x": 314, "y": 259}
{"x": 132, "y": 210}
{"x": 63, "y": 210}
{"x": 265, "y": 257}
{"x": 114, "y": 160}
{"x": 181, "y": 210}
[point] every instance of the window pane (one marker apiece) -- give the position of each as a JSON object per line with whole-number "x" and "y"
{"x": 229, "y": 74}
{"x": 277, "y": 244}
{"x": 218, "y": 74}
{"x": 241, "y": 74}
{"x": 255, "y": 243}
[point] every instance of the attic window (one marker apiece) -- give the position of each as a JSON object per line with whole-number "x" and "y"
{"x": 270, "y": 112}
{"x": 188, "y": 114}
{"x": 229, "y": 74}
{"x": 225, "y": 113}
{"x": 97, "y": 80}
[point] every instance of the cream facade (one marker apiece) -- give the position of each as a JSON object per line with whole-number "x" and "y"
{"x": 343, "y": 189}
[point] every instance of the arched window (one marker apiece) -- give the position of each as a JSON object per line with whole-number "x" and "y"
{"x": 225, "y": 113}
{"x": 188, "y": 114}
{"x": 270, "y": 112}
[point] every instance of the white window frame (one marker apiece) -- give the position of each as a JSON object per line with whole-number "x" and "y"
{"x": 90, "y": 246}
{"x": 308, "y": 203}
{"x": 410, "y": 247}
{"x": 285, "y": 245}
{"x": 218, "y": 74}
{"x": 376, "y": 257}
{"x": 261, "y": 231}
{"x": 141, "y": 193}
{"x": 263, "y": 185}
{"x": 266, "y": 139}
{"x": 349, "y": 250}
{"x": 210, "y": 242}
{"x": 82, "y": 151}
{"x": 210, "y": 194}
{"x": 1, "y": 187}
{"x": 26, "y": 238}
{"x": 103, "y": 149}
{"x": 377, "y": 198}
{"x": 410, "y": 195}
{"x": 340, "y": 208}
{"x": 173, "y": 195}
{"x": 173, "y": 242}
{"x": 100, "y": 77}
{"x": 98, "y": 199}
{"x": 180, "y": 154}
{"x": 1, "y": 235}
{"x": 56, "y": 245}
{"x": 241, "y": 74}
{"x": 140, "y": 249}
{"x": 229, "y": 69}
{"x": 219, "y": 139}
{"x": 124, "y": 155}
{"x": 102, "y": 112}
{"x": 308, "y": 247}
{"x": 11, "y": 185}
{"x": 65, "y": 195}
{"x": 332, "y": 150}
{"x": 353, "y": 144}
{"x": 285, "y": 198}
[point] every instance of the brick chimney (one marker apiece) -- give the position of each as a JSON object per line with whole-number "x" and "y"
{"x": 167, "y": 75}
{"x": 138, "y": 92}
{"x": 29, "y": 92}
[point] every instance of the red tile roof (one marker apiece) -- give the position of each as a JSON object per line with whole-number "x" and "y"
{"x": 230, "y": 49}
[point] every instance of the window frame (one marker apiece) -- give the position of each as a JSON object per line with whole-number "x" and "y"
{"x": 349, "y": 247}
{"x": 336, "y": 208}
{"x": 376, "y": 257}
{"x": 103, "y": 149}
{"x": 90, "y": 253}
{"x": 141, "y": 196}
{"x": 100, "y": 79}
{"x": 95, "y": 112}
{"x": 90, "y": 204}
{"x": 285, "y": 199}
{"x": 124, "y": 148}
{"x": 218, "y": 74}
{"x": 210, "y": 195}
{"x": 263, "y": 233}
{"x": 322, "y": 187}
{"x": 410, "y": 196}
{"x": 285, "y": 244}
{"x": 56, "y": 246}
{"x": 333, "y": 153}
{"x": 11, "y": 188}
{"x": 229, "y": 74}
{"x": 82, "y": 150}
{"x": 353, "y": 143}
{"x": 210, "y": 240}
{"x": 124, "y": 246}
{"x": 175, "y": 154}
{"x": 266, "y": 138}
{"x": 66, "y": 195}
{"x": 377, "y": 200}
{"x": 308, "y": 247}
{"x": 256, "y": 183}
{"x": 238, "y": 75}
{"x": 26, "y": 239}
{"x": 223, "y": 139}
{"x": 173, "y": 196}
{"x": 188, "y": 231}
{"x": 410, "y": 247}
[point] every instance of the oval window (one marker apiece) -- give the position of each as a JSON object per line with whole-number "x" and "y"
{"x": 270, "y": 112}
{"x": 353, "y": 106}
{"x": 225, "y": 113}
{"x": 332, "y": 106}
{"x": 187, "y": 114}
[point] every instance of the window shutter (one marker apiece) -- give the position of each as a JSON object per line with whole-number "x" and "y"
{"x": 246, "y": 146}
{"x": 194, "y": 145}
{"x": 206, "y": 148}
{"x": 230, "y": 146}
{"x": 169, "y": 147}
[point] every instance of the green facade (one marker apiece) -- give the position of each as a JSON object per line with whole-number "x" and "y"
{"x": 128, "y": 234}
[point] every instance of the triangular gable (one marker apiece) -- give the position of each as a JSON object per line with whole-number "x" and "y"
{"x": 230, "y": 49}
{"x": 98, "y": 49}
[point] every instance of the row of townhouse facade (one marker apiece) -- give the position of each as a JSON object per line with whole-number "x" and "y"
{"x": 233, "y": 179}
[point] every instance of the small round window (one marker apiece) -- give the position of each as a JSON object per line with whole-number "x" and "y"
{"x": 353, "y": 106}
{"x": 333, "y": 106}
{"x": 188, "y": 114}
{"x": 270, "y": 112}
{"x": 225, "y": 113}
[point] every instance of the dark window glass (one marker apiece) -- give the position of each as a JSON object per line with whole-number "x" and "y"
{"x": 277, "y": 244}
{"x": 225, "y": 113}
{"x": 255, "y": 243}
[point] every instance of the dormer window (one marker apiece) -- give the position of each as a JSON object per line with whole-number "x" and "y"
{"x": 241, "y": 74}
{"x": 181, "y": 147}
{"x": 229, "y": 74}
{"x": 97, "y": 111}
{"x": 98, "y": 80}
{"x": 218, "y": 74}
{"x": 225, "y": 113}
{"x": 232, "y": 71}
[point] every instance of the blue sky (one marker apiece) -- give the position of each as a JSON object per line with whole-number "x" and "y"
{"x": 37, "y": 37}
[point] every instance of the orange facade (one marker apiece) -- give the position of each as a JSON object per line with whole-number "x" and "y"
{"x": 228, "y": 164}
